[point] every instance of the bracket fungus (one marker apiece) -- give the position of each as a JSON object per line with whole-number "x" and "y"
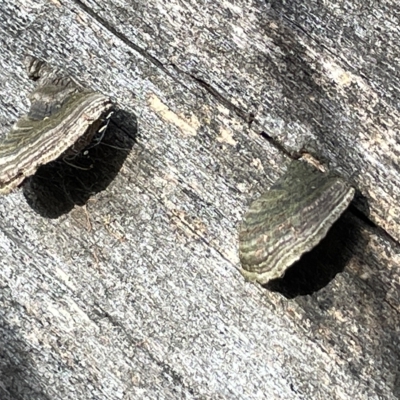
{"x": 62, "y": 120}
{"x": 289, "y": 220}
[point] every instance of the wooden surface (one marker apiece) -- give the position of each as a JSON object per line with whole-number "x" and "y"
{"x": 122, "y": 282}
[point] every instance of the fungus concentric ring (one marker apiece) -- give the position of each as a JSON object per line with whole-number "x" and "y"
{"x": 63, "y": 118}
{"x": 289, "y": 220}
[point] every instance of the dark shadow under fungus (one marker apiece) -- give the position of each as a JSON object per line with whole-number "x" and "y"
{"x": 57, "y": 187}
{"x": 319, "y": 266}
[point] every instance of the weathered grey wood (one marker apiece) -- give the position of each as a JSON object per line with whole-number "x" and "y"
{"x": 137, "y": 294}
{"x": 318, "y": 78}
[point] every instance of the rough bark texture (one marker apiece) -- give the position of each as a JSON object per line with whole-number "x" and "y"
{"x": 122, "y": 282}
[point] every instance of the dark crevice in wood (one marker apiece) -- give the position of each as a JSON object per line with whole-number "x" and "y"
{"x": 360, "y": 209}
{"x": 228, "y": 104}
{"x": 249, "y": 117}
{"x": 275, "y": 143}
{"x": 125, "y": 40}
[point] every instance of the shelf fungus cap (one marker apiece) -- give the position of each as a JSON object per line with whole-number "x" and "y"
{"x": 62, "y": 120}
{"x": 289, "y": 220}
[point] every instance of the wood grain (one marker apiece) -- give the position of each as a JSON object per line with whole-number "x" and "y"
{"x": 136, "y": 292}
